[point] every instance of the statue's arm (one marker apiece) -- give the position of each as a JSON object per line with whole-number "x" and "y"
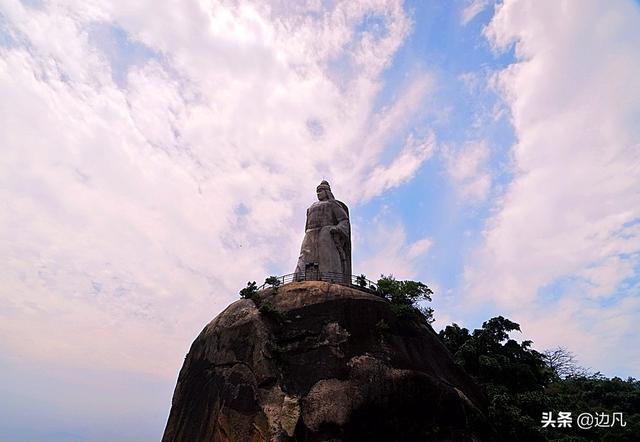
{"x": 342, "y": 219}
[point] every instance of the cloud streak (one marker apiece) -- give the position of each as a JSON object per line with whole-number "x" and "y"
{"x": 468, "y": 171}
{"x": 473, "y": 8}
{"x": 572, "y": 209}
{"x": 145, "y": 180}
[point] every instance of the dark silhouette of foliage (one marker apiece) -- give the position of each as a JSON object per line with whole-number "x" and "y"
{"x": 250, "y": 291}
{"x": 273, "y": 281}
{"x": 268, "y": 310}
{"x": 512, "y": 375}
{"x": 564, "y": 363}
{"x": 521, "y": 383}
{"x": 405, "y": 297}
{"x": 593, "y": 394}
{"x": 264, "y": 307}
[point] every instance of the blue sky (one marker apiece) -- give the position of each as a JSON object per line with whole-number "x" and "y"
{"x": 152, "y": 163}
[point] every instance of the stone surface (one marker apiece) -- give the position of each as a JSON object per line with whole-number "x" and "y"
{"x": 326, "y": 247}
{"x": 326, "y": 370}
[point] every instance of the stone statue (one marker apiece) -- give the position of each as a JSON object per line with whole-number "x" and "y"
{"x": 326, "y": 247}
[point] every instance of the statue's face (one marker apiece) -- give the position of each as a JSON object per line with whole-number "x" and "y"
{"x": 322, "y": 194}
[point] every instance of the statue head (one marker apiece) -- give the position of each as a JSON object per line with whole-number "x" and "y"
{"x": 324, "y": 191}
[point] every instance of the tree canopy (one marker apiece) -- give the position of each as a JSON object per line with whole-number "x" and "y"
{"x": 406, "y": 297}
{"x": 522, "y": 383}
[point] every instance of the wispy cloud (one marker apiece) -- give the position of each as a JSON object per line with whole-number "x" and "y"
{"x": 468, "y": 170}
{"x": 152, "y": 163}
{"x": 473, "y": 8}
{"x": 392, "y": 252}
{"x": 572, "y": 210}
{"x": 403, "y": 167}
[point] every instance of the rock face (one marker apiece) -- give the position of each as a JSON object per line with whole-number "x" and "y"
{"x": 332, "y": 364}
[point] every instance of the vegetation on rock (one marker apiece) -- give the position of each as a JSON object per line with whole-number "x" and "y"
{"x": 267, "y": 309}
{"x": 273, "y": 281}
{"x": 250, "y": 291}
{"x": 264, "y": 307}
{"x": 405, "y": 297}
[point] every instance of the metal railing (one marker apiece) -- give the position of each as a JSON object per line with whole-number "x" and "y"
{"x": 358, "y": 282}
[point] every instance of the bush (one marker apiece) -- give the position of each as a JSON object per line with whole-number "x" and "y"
{"x": 405, "y": 311}
{"x": 521, "y": 383}
{"x": 250, "y": 291}
{"x": 268, "y": 310}
{"x": 273, "y": 281}
{"x": 264, "y": 307}
{"x": 405, "y": 297}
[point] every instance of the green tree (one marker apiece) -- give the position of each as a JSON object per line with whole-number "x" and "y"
{"x": 273, "y": 281}
{"x": 406, "y": 296}
{"x": 250, "y": 291}
{"x": 512, "y": 375}
{"x": 596, "y": 394}
{"x": 520, "y": 383}
{"x": 361, "y": 280}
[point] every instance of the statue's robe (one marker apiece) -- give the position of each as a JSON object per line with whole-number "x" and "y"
{"x": 327, "y": 252}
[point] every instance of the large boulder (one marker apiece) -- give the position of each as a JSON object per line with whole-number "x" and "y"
{"x": 326, "y": 363}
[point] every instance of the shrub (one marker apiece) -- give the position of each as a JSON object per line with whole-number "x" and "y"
{"x": 273, "y": 281}
{"x": 269, "y": 311}
{"x": 405, "y": 297}
{"x": 250, "y": 291}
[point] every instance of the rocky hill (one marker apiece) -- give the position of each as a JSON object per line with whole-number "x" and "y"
{"x": 327, "y": 363}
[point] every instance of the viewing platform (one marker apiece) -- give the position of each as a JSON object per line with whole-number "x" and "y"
{"x": 358, "y": 282}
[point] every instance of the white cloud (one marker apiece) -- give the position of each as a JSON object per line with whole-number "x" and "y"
{"x": 419, "y": 248}
{"x": 134, "y": 209}
{"x": 468, "y": 171}
{"x": 603, "y": 338}
{"x": 473, "y": 8}
{"x": 572, "y": 208}
{"x": 402, "y": 168}
{"x": 605, "y": 276}
{"x": 389, "y": 252}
